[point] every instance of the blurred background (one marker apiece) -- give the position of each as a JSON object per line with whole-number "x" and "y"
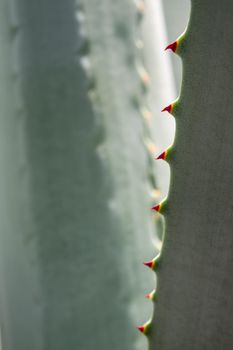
{"x": 70, "y": 178}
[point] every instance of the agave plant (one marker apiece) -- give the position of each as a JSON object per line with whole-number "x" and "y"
{"x": 194, "y": 304}
{"x": 78, "y": 90}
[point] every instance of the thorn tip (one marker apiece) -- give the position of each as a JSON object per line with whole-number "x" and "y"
{"x": 141, "y": 329}
{"x": 172, "y": 47}
{"x": 149, "y": 264}
{"x": 162, "y": 156}
{"x": 168, "y": 109}
{"x": 151, "y": 295}
{"x": 157, "y": 208}
{"x": 145, "y": 328}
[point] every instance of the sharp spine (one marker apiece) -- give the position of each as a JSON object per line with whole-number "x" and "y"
{"x": 151, "y": 295}
{"x": 145, "y": 328}
{"x": 152, "y": 264}
{"x": 160, "y": 207}
{"x": 168, "y": 109}
{"x": 176, "y": 45}
{"x": 172, "y": 107}
{"x": 173, "y": 46}
{"x": 164, "y": 155}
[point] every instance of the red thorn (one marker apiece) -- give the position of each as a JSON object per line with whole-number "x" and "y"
{"x": 168, "y": 109}
{"x": 172, "y": 46}
{"x": 150, "y": 264}
{"x": 141, "y": 329}
{"x": 145, "y": 328}
{"x": 162, "y": 156}
{"x": 151, "y": 295}
{"x": 157, "y": 208}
